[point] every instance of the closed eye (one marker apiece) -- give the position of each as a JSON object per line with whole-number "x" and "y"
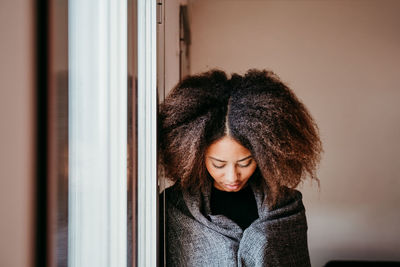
{"x": 245, "y": 165}
{"x": 218, "y": 167}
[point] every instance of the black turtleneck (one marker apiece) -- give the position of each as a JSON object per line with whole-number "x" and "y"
{"x": 240, "y": 207}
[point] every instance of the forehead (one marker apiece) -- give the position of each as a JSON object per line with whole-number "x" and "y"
{"x": 227, "y": 149}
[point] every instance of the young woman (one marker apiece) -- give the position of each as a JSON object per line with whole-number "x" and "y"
{"x": 236, "y": 149}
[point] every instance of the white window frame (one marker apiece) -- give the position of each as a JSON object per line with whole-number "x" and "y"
{"x": 147, "y": 217}
{"x": 97, "y": 133}
{"x": 97, "y": 54}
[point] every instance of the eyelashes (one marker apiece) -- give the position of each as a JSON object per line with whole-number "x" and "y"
{"x": 218, "y": 167}
{"x": 240, "y": 165}
{"x": 246, "y": 165}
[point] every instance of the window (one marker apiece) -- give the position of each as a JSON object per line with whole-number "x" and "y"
{"x": 102, "y": 204}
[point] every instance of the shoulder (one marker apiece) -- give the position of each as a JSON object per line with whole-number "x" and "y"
{"x": 171, "y": 192}
{"x": 289, "y": 204}
{"x": 290, "y": 196}
{"x": 172, "y": 197}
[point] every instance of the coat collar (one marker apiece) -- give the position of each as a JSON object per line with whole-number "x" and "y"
{"x": 199, "y": 206}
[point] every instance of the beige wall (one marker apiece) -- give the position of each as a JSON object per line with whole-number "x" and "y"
{"x": 171, "y": 43}
{"x": 16, "y": 142}
{"x": 342, "y": 58}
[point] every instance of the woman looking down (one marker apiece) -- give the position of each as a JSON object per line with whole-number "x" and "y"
{"x": 236, "y": 149}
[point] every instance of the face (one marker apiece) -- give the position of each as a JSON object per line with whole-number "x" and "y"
{"x": 230, "y": 164}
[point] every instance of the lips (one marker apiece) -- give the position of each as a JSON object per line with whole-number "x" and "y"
{"x": 232, "y": 186}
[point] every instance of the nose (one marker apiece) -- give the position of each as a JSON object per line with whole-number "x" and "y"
{"x": 232, "y": 175}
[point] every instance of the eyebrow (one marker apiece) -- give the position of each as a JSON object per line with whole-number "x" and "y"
{"x": 243, "y": 159}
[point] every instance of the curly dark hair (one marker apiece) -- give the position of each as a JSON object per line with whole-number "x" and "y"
{"x": 257, "y": 110}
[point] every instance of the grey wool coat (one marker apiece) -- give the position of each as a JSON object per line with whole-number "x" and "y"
{"x": 195, "y": 237}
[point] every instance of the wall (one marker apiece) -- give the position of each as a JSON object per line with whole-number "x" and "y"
{"x": 16, "y": 142}
{"x": 171, "y": 38}
{"x": 342, "y": 59}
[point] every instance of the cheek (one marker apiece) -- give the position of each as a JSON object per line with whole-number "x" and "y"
{"x": 208, "y": 167}
{"x": 215, "y": 173}
{"x": 211, "y": 170}
{"x": 250, "y": 171}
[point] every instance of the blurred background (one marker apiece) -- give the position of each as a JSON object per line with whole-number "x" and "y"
{"x": 18, "y": 122}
